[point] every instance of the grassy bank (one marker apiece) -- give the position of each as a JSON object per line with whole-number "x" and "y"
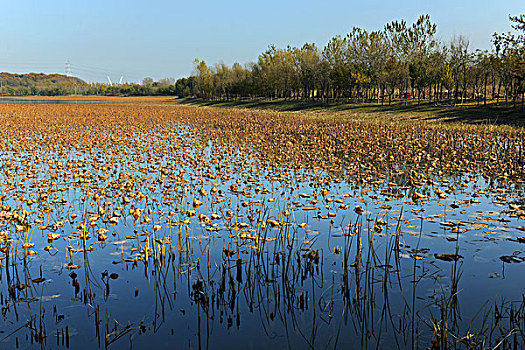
{"x": 471, "y": 113}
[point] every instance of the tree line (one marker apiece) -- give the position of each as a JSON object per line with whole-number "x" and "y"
{"x": 148, "y": 87}
{"x": 399, "y": 62}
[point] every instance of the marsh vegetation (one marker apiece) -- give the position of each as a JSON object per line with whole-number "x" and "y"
{"x": 133, "y": 225}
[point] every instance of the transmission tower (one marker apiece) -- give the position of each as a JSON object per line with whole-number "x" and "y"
{"x": 68, "y": 68}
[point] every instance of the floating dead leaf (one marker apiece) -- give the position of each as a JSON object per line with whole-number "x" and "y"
{"x": 310, "y": 208}
{"x": 272, "y": 223}
{"x": 416, "y": 257}
{"x": 486, "y": 218}
{"x": 101, "y": 232}
{"x": 479, "y": 225}
{"x": 448, "y": 257}
{"x": 190, "y": 213}
{"x": 416, "y": 196}
{"x": 229, "y": 252}
{"x": 72, "y": 266}
{"x": 52, "y": 236}
{"x": 204, "y": 219}
{"x": 20, "y": 228}
{"x": 511, "y": 259}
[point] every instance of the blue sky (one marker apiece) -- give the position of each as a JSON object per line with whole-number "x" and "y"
{"x": 160, "y": 39}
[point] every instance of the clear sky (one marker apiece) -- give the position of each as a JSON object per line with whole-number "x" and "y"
{"x": 135, "y": 39}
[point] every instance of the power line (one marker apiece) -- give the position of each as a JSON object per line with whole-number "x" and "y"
{"x": 91, "y": 72}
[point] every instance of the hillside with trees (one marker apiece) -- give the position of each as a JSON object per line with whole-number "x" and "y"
{"x": 39, "y": 84}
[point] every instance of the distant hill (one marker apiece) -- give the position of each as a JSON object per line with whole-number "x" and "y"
{"x": 38, "y": 80}
{"x": 40, "y": 84}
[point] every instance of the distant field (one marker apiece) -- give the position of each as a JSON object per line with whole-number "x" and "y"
{"x": 90, "y": 98}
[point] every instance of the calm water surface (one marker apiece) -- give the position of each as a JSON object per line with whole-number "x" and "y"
{"x": 272, "y": 258}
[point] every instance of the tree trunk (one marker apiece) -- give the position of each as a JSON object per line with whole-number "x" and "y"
{"x": 405, "y": 95}
{"x": 485, "y": 91}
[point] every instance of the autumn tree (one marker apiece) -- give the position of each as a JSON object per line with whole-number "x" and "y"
{"x": 398, "y": 61}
